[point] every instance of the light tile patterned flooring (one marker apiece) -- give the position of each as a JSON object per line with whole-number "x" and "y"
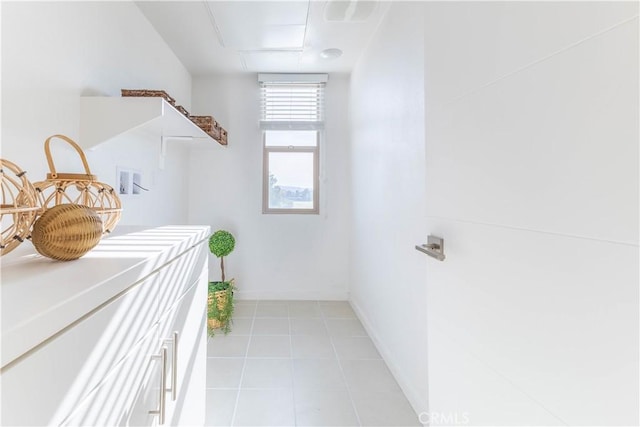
{"x": 300, "y": 363}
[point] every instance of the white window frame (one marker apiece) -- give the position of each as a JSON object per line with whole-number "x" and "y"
{"x": 316, "y": 176}
{"x": 292, "y": 125}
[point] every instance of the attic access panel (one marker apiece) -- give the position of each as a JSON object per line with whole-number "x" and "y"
{"x": 256, "y": 25}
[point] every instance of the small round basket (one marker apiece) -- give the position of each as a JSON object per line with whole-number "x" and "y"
{"x": 66, "y": 232}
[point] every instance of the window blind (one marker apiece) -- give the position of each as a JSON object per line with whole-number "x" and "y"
{"x": 288, "y": 105}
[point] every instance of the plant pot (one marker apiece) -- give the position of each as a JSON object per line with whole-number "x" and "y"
{"x": 222, "y": 299}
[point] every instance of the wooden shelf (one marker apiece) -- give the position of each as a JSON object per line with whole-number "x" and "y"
{"x": 104, "y": 118}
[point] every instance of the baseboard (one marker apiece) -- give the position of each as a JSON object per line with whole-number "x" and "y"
{"x": 412, "y": 395}
{"x": 293, "y": 295}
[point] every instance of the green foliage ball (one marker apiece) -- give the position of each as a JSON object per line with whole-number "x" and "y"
{"x": 221, "y": 243}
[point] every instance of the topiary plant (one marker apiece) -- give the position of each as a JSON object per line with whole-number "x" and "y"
{"x": 220, "y": 311}
{"x": 221, "y": 244}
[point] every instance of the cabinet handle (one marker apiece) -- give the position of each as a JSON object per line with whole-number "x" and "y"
{"x": 174, "y": 366}
{"x": 163, "y": 385}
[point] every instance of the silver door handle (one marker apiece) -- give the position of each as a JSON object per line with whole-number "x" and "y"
{"x": 173, "y": 342}
{"x": 434, "y": 247}
{"x": 163, "y": 385}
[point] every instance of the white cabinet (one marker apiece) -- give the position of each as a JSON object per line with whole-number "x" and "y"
{"x": 102, "y": 366}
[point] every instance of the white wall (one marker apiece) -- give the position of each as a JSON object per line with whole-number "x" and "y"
{"x": 531, "y": 176}
{"x": 276, "y": 256}
{"x": 532, "y": 179}
{"x": 387, "y": 284}
{"x": 55, "y": 52}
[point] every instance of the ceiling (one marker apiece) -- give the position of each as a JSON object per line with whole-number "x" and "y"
{"x": 237, "y": 36}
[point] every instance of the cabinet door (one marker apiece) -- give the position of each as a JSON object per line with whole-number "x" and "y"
{"x": 129, "y": 394}
{"x": 47, "y": 384}
{"x": 184, "y": 329}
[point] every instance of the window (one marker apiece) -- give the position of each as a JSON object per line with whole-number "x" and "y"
{"x": 292, "y": 124}
{"x": 291, "y": 171}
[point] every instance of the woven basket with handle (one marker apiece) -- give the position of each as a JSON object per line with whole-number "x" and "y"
{"x": 77, "y": 188}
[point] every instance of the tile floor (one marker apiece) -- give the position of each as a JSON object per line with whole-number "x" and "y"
{"x": 300, "y": 363}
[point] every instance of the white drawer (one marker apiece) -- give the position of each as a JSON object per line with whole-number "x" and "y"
{"x": 177, "y": 276}
{"x": 54, "y": 377}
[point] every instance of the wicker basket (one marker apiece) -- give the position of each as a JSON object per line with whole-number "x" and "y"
{"x": 207, "y": 124}
{"x": 223, "y": 136}
{"x": 83, "y": 189}
{"x": 66, "y": 232}
{"x": 19, "y": 206}
{"x": 221, "y": 300}
{"x": 148, "y": 93}
{"x": 182, "y": 110}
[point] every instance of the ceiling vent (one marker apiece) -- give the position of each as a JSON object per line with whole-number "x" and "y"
{"x": 348, "y": 10}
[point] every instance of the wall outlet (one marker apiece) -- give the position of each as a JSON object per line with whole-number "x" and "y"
{"x": 129, "y": 181}
{"x": 136, "y": 183}
{"x": 124, "y": 182}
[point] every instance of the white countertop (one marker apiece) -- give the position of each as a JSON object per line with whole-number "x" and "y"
{"x": 39, "y": 296}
